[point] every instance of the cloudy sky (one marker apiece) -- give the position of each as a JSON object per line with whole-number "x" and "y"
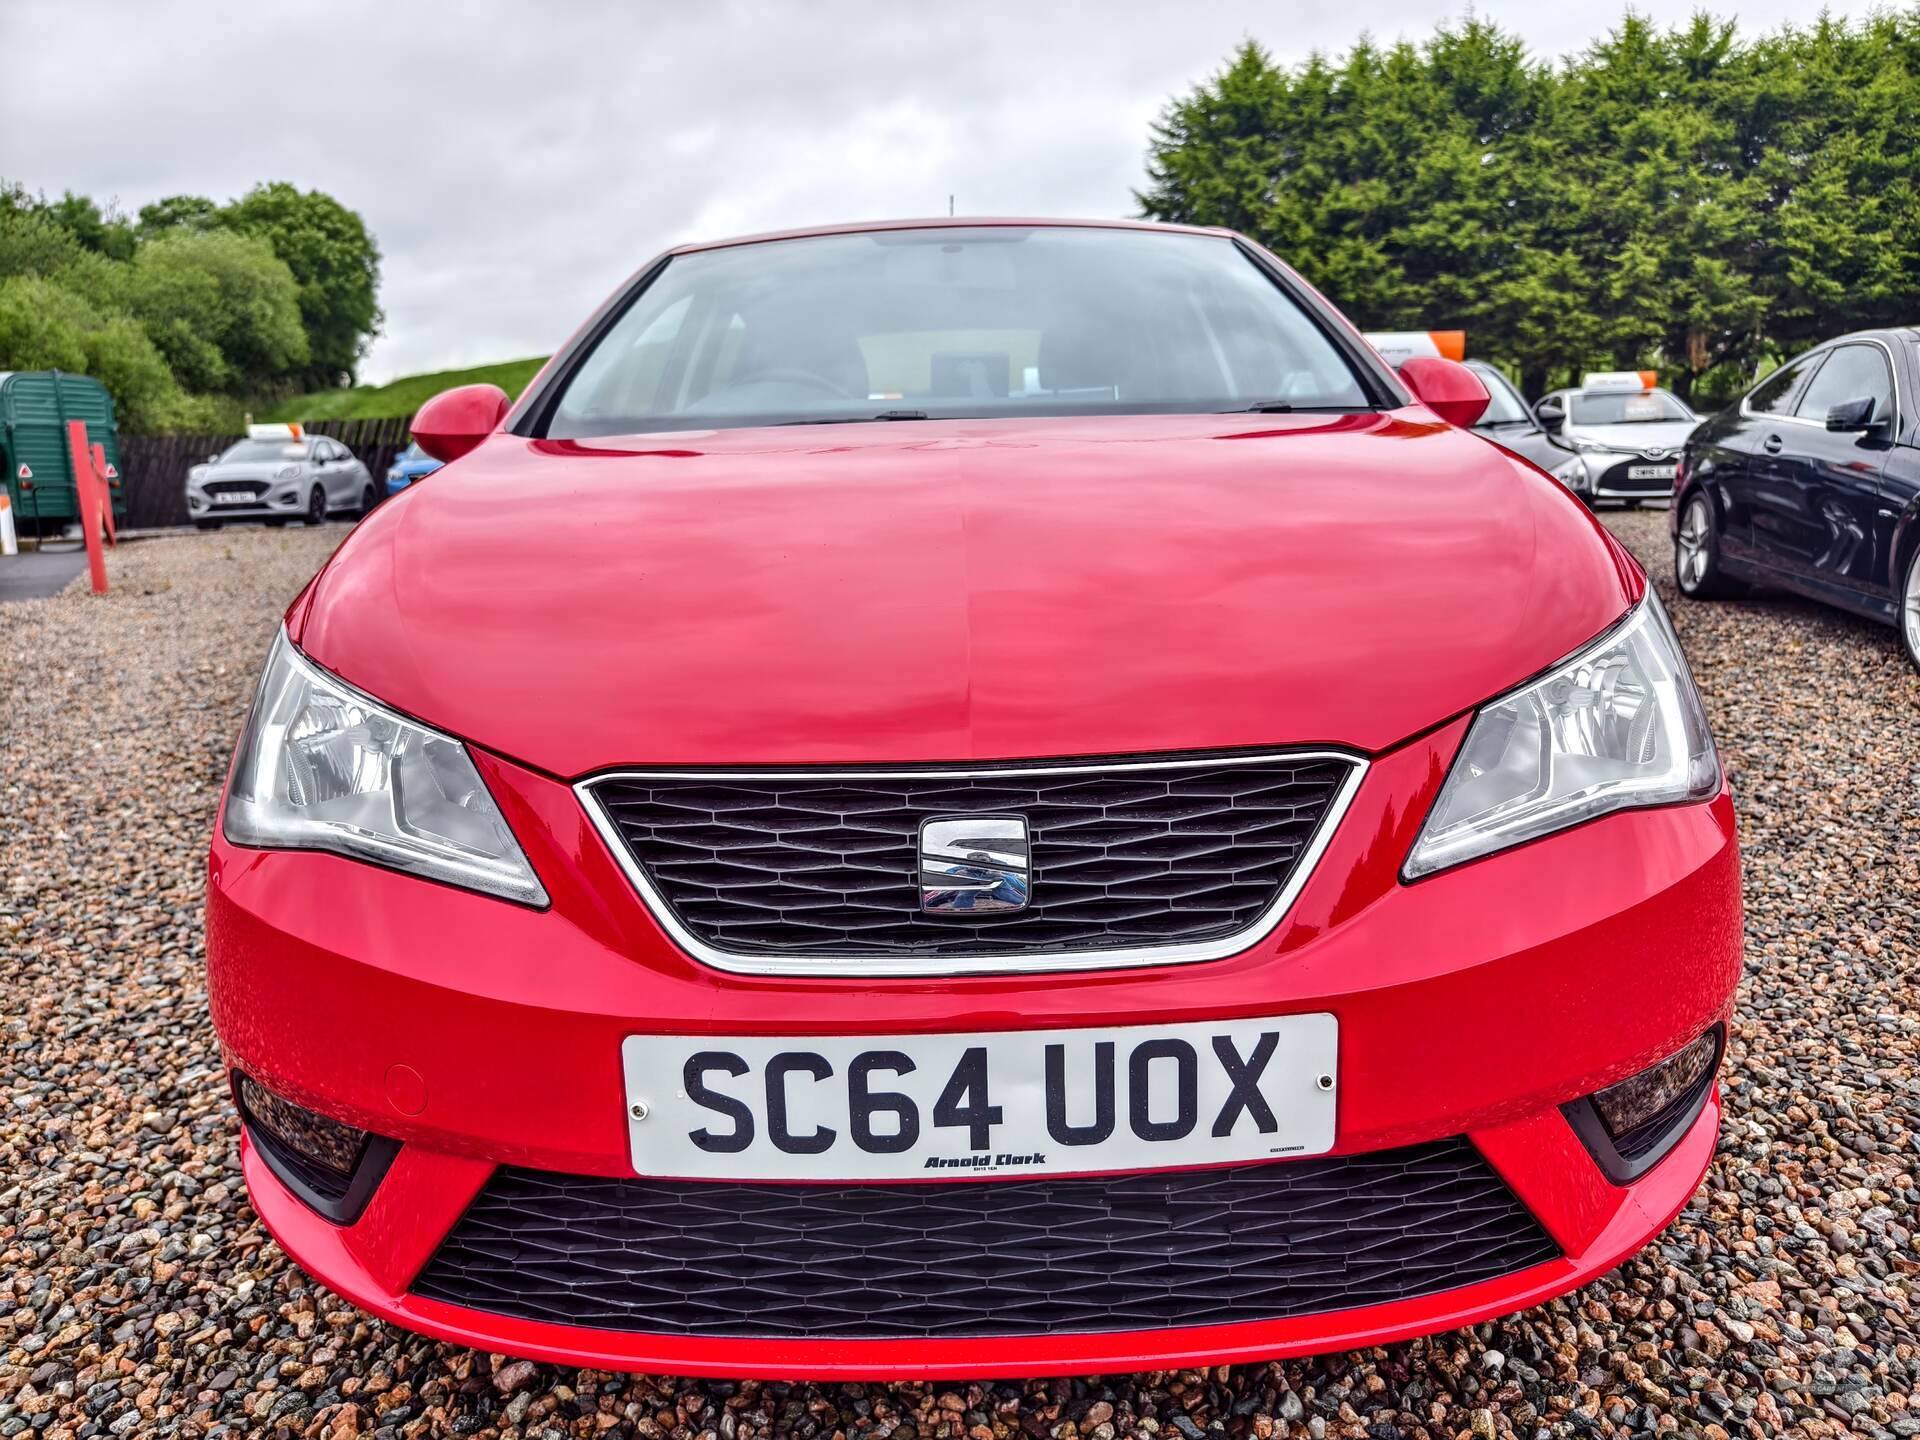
{"x": 516, "y": 161}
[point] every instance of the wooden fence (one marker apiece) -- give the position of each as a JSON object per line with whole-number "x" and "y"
{"x": 155, "y": 466}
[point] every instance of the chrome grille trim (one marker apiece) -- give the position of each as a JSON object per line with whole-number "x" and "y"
{"x": 1013, "y": 963}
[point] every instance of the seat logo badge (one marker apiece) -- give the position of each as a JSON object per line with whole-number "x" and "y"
{"x": 974, "y": 865}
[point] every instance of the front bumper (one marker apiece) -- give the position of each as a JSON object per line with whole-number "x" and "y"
{"x": 273, "y": 504}
{"x": 1606, "y": 476}
{"x": 480, "y": 1034}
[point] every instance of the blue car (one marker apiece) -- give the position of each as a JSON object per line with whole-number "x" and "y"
{"x": 409, "y": 465}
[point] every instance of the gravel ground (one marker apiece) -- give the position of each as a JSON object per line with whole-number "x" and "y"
{"x": 139, "y": 1295}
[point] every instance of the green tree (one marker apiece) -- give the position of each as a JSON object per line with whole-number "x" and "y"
{"x": 1219, "y": 155}
{"x": 221, "y": 307}
{"x": 44, "y": 326}
{"x": 225, "y": 301}
{"x": 1826, "y": 127}
{"x": 1671, "y": 221}
{"x": 194, "y": 212}
{"x": 101, "y": 231}
{"x": 335, "y": 263}
{"x": 1681, "y": 196}
{"x": 32, "y": 243}
{"x": 1406, "y": 182}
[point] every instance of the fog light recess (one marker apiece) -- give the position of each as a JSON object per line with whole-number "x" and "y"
{"x": 333, "y": 1167}
{"x": 1630, "y": 1126}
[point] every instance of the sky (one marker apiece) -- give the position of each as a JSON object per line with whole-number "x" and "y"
{"x": 517, "y": 161}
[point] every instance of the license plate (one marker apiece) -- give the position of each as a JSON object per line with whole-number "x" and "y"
{"x": 230, "y": 499}
{"x": 1651, "y": 472}
{"x": 899, "y": 1107}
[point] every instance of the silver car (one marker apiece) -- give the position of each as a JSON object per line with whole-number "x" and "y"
{"x": 278, "y": 474}
{"x": 1627, "y": 432}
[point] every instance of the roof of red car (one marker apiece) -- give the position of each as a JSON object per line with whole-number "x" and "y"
{"x": 944, "y": 222}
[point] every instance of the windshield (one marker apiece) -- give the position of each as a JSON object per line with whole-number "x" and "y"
{"x": 1651, "y": 407}
{"x": 984, "y": 321}
{"x": 1503, "y": 405}
{"x": 258, "y": 450}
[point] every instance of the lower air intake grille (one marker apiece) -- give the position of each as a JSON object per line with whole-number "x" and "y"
{"x": 1009, "y": 1257}
{"x": 1124, "y": 856}
{"x": 1619, "y": 479}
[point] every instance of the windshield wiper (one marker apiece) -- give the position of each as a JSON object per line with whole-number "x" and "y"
{"x": 856, "y": 419}
{"x": 1287, "y": 407}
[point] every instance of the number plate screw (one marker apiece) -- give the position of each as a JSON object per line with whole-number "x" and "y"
{"x": 1325, "y": 1082}
{"x": 639, "y": 1110}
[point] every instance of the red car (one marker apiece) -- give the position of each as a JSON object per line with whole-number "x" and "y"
{"x": 1039, "y": 811}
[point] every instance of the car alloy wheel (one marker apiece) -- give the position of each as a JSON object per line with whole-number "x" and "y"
{"x": 316, "y": 506}
{"x": 1692, "y": 552}
{"x": 1696, "y": 554}
{"x": 1910, "y": 610}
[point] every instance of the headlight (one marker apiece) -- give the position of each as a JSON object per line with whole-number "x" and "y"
{"x": 322, "y": 767}
{"x": 1592, "y": 447}
{"x": 288, "y": 472}
{"x": 1617, "y": 726}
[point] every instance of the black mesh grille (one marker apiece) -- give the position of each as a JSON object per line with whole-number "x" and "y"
{"x": 828, "y": 867}
{"x": 236, "y": 487}
{"x": 1007, "y": 1257}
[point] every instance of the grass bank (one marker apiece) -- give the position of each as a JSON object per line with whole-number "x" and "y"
{"x": 402, "y": 396}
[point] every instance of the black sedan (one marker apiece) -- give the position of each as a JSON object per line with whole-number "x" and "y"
{"x": 1812, "y": 484}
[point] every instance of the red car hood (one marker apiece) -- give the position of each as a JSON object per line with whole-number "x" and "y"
{"x": 926, "y": 591}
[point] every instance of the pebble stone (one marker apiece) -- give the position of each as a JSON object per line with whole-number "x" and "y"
{"x": 139, "y": 1294}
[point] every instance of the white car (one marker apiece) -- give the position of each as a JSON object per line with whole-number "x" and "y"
{"x": 279, "y": 473}
{"x": 1627, "y": 432}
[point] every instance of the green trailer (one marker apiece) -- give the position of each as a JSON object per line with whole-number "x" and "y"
{"x": 35, "y": 406}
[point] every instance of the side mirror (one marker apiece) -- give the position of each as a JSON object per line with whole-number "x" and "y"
{"x": 454, "y": 421}
{"x": 1852, "y": 415}
{"x": 1550, "y": 415}
{"x": 1447, "y": 388}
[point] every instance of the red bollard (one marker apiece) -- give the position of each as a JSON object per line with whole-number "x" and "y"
{"x": 105, "y": 493}
{"x": 87, "y": 487}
